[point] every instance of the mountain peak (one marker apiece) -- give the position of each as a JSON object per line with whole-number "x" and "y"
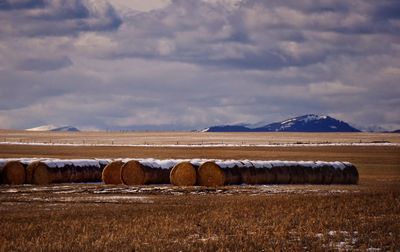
{"x": 305, "y": 123}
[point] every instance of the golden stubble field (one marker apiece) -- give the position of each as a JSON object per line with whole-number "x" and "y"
{"x": 237, "y": 218}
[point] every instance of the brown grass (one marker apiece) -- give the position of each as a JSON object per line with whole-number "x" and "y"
{"x": 149, "y": 138}
{"x": 369, "y": 218}
{"x": 352, "y": 217}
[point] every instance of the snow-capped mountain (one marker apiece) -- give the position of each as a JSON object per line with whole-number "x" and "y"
{"x": 52, "y": 127}
{"x": 305, "y": 123}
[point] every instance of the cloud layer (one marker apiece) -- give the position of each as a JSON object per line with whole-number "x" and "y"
{"x": 186, "y": 64}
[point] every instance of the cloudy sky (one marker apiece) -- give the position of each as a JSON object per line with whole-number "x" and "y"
{"x": 188, "y": 64}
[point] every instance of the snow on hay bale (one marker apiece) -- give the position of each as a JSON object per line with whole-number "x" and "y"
{"x": 65, "y": 171}
{"x": 276, "y": 172}
{"x": 306, "y": 172}
{"x": 219, "y": 173}
{"x": 344, "y": 173}
{"x": 185, "y": 173}
{"x": 147, "y": 171}
{"x": 351, "y": 173}
{"x": 257, "y": 172}
{"x": 12, "y": 172}
{"x": 112, "y": 173}
{"x": 282, "y": 172}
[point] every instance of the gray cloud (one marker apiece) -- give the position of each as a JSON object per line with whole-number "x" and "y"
{"x": 7, "y": 5}
{"x": 44, "y": 64}
{"x": 56, "y": 17}
{"x": 195, "y": 63}
{"x": 254, "y": 34}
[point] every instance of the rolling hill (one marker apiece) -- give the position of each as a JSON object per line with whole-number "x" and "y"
{"x": 305, "y": 123}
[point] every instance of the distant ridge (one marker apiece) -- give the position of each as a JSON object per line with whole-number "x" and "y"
{"x": 305, "y": 123}
{"x": 52, "y": 127}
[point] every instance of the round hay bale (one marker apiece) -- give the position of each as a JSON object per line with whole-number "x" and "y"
{"x": 183, "y": 174}
{"x": 351, "y": 174}
{"x": 319, "y": 177}
{"x": 257, "y": 172}
{"x": 314, "y": 175}
{"x": 112, "y": 173}
{"x": 282, "y": 174}
{"x": 265, "y": 176}
{"x": 135, "y": 173}
{"x": 63, "y": 171}
{"x": 338, "y": 177}
{"x": 29, "y": 173}
{"x": 232, "y": 175}
{"x": 219, "y": 173}
{"x": 327, "y": 172}
{"x": 297, "y": 173}
{"x": 210, "y": 174}
{"x": 13, "y": 173}
{"x": 250, "y": 175}
{"x": 39, "y": 173}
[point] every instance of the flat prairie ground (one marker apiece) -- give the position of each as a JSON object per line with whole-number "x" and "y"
{"x": 93, "y": 217}
{"x": 199, "y": 138}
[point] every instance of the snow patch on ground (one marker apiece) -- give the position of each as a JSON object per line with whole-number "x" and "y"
{"x": 87, "y": 190}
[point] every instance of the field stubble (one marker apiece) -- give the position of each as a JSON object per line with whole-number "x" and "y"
{"x": 340, "y": 218}
{"x": 246, "y": 218}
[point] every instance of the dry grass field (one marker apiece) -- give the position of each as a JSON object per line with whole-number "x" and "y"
{"x": 76, "y": 217}
{"x": 173, "y": 138}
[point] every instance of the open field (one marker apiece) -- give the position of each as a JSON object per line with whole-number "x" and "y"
{"x": 235, "y": 218}
{"x": 199, "y": 138}
{"x": 96, "y": 217}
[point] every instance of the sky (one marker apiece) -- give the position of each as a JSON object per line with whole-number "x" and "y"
{"x": 190, "y": 64}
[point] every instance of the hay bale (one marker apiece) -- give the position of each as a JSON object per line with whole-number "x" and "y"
{"x": 281, "y": 171}
{"x": 38, "y": 173}
{"x": 219, "y": 173}
{"x": 328, "y": 173}
{"x": 112, "y": 173}
{"x": 249, "y": 175}
{"x": 184, "y": 174}
{"x": 12, "y": 172}
{"x": 210, "y": 174}
{"x": 257, "y": 172}
{"x": 64, "y": 171}
{"x": 338, "y": 175}
{"x": 146, "y": 171}
{"x": 297, "y": 172}
{"x": 314, "y": 174}
{"x": 344, "y": 173}
{"x": 350, "y": 173}
{"x": 265, "y": 176}
{"x": 232, "y": 176}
